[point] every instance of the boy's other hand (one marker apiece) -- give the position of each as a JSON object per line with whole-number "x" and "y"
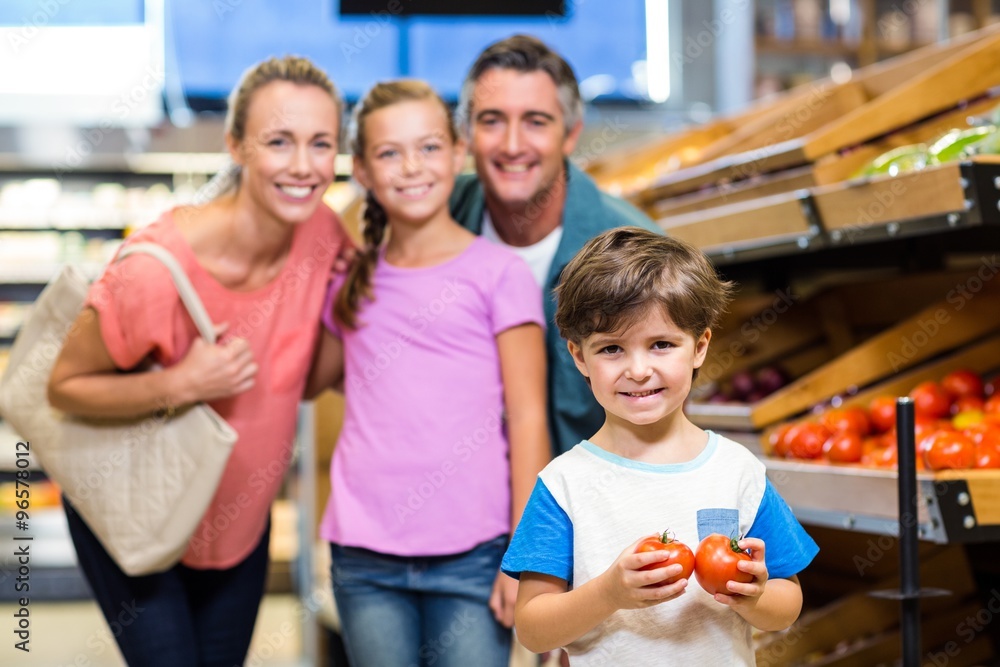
{"x": 628, "y": 586}
{"x": 746, "y": 595}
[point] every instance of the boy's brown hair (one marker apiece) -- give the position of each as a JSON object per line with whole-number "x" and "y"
{"x": 619, "y": 274}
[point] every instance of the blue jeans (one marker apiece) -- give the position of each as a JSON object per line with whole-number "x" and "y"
{"x": 179, "y": 617}
{"x": 418, "y": 612}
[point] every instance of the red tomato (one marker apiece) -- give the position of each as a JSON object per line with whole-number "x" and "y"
{"x": 963, "y": 382}
{"x": 930, "y": 400}
{"x": 887, "y": 457}
{"x": 882, "y": 411}
{"x": 715, "y": 564}
{"x": 949, "y": 450}
{"x": 967, "y": 404}
{"x": 847, "y": 419}
{"x": 983, "y": 432}
{"x": 992, "y": 405}
{"x": 843, "y": 447}
{"x": 678, "y": 552}
{"x": 806, "y": 440}
{"x": 987, "y": 456}
{"x": 778, "y": 440}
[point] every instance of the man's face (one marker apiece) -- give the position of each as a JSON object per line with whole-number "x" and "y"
{"x": 518, "y": 136}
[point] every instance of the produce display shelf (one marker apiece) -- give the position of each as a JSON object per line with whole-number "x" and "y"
{"x": 960, "y": 506}
{"x": 940, "y": 199}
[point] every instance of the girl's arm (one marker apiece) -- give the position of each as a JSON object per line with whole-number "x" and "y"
{"x": 328, "y": 365}
{"x": 522, "y": 369}
{"x": 86, "y": 382}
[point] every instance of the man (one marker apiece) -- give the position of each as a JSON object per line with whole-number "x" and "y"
{"x": 521, "y": 111}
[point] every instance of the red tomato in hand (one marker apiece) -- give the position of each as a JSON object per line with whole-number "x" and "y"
{"x": 715, "y": 564}
{"x": 843, "y": 447}
{"x": 963, "y": 382}
{"x": 882, "y": 411}
{"x": 678, "y": 552}
{"x": 949, "y": 450}
{"x": 930, "y": 400}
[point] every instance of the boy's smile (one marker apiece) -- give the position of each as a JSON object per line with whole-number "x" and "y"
{"x": 641, "y": 374}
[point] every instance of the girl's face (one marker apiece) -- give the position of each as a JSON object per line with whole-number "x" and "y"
{"x": 288, "y": 150}
{"x": 410, "y": 160}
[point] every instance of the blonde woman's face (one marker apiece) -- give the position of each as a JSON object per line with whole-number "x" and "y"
{"x": 288, "y": 150}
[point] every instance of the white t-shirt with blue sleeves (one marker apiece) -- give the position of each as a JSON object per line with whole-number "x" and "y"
{"x": 589, "y": 505}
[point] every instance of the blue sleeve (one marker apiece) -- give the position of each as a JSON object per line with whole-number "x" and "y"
{"x": 788, "y": 547}
{"x": 543, "y": 540}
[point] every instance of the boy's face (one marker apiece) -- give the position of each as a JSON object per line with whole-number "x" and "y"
{"x": 641, "y": 374}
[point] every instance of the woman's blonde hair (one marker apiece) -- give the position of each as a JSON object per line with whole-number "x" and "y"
{"x": 358, "y": 283}
{"x": 294, "y": 69}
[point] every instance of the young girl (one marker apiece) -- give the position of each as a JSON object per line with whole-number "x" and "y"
{"x": 439, "y": 335}
{"x": 259, "y": 257}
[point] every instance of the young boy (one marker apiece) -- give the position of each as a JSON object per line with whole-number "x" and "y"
{"x": 637, "y": 310}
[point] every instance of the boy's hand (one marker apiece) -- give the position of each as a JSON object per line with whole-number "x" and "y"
{"x": 630, "y": 587}
{"x": 745, "y": 596}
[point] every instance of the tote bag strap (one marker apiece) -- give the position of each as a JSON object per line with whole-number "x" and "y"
{"x": 186, "y": 290}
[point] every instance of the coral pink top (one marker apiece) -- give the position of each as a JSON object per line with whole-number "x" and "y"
{"x": 141, "y": 316}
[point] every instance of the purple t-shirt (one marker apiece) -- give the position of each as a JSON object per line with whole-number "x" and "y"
{"x": 421, "y": 466}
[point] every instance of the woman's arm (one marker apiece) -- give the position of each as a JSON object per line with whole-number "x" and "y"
{"x": 328, "y": 365}
{"x": 86, "y": 382}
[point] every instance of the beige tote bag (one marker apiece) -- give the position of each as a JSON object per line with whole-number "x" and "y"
{"x": 141, "y": 485}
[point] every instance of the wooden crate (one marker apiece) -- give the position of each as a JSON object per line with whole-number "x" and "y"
{"x": 859, "y": 630}
{"x": 853, "y": 341}
{"x": 886, "y": 97}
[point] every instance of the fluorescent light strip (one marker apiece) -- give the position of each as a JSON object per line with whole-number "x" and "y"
{"x": 658, "y": 49}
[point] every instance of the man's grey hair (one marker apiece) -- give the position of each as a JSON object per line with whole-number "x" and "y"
{"x": 525, "y": 54}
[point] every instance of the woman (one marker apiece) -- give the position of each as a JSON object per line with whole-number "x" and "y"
{"x": 259, "y": 257}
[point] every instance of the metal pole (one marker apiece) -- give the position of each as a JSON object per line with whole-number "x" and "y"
{"x": 909, "y": 563}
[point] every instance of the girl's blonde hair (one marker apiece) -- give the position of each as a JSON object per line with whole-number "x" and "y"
{"x": 376, "y": 221}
